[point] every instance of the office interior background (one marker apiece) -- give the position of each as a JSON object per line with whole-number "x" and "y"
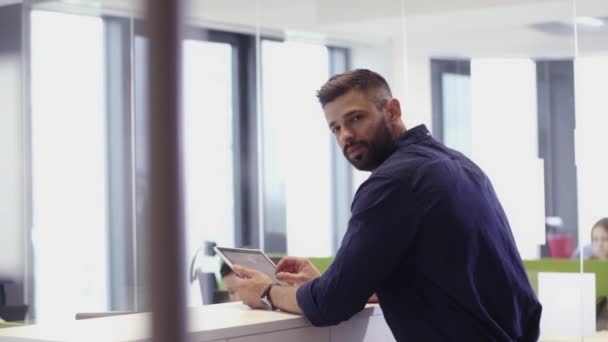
{"x": 516, "y": 85}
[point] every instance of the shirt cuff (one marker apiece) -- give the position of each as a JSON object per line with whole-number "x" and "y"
{"x": 306, "y": 301}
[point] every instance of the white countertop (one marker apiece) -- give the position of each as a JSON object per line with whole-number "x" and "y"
{"x": 205, "y": 323}
{"x": 601, "y": 336}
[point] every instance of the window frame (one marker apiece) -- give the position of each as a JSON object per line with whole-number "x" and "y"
{"x": 125, "y": 239}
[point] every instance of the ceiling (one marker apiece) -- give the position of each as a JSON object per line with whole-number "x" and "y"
{"x": 429, "y": 27}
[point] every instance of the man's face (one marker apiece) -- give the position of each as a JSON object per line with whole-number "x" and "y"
{"x": 230, "y": 282}
{"x": 361, "y": 129}
{"x": 599, "y": 242}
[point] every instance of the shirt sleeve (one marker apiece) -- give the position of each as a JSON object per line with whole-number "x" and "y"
{"x": 385, "y": 218}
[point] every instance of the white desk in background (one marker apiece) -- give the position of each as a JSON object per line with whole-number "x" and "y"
{"x": 231, "y": 322}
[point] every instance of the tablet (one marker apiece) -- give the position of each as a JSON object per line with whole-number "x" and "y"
{"x": 254, "y": 259}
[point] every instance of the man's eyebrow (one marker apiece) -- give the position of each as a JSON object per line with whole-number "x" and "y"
{"x": 347, "y": 115}
{"x": 352, "y": 112}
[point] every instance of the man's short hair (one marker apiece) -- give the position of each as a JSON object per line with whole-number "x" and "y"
{"x": 360, "y": 79}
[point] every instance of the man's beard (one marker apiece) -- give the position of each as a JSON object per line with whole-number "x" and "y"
{"x": 378, "y": 148}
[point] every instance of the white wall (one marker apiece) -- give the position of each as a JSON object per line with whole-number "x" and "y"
{"x": 505, "y": 144}
{"x": 591, "y": 149}
{"x": 417, "y": 102}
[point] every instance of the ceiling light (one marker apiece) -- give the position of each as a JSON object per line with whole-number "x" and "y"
{"x": 590, "y": 21}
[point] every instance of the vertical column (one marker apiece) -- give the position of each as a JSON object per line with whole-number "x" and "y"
{"x": 13, "y": 244}
{"x": 166, "y": 229}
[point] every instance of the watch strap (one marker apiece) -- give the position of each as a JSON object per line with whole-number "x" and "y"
{"x": 266, "y": 295}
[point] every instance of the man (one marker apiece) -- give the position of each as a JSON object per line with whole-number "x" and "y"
{"x": 427, "y": 235}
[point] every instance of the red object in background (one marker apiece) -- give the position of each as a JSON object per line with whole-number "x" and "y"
{"x": 561, "y": 246}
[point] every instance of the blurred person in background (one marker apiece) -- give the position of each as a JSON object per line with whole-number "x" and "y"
{"x": 599, "y": 239}
{"x": 598, "y": 249}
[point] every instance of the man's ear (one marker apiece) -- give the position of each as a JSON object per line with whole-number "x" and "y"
{"x": 394, "y": 110}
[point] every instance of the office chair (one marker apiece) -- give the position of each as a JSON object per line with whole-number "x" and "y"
{"x": 10, "y": 313}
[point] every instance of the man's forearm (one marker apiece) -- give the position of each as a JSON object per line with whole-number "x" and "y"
{"x": 284, "y": 298}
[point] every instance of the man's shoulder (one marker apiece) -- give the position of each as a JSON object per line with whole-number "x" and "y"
{"x": 428, "y": 168}
{"x": 378, "y": 181}
{"x": 380, "y": 191}
{"x": 402, "y": 161}
{"x": 408, "y": 164}
{"x": 378, "y": 185}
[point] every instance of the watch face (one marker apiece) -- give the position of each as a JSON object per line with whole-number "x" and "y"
{"x": 266, "y": 303}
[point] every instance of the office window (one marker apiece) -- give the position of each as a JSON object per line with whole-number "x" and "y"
{"x": 451, "y": 88}
{"x": 457, "y": 112}
{"x": 69, "y": 187}
{"x": 207, "y": 148}
{"x": 296, "y": 150}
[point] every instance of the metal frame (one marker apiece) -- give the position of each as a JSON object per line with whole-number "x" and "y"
{"x": 556, "y": 142}
{"x": 122, "y": 268}
{"x": 29, "y": 281}
{"x": 438, "y": 68}
{"x": 342, "y": 171}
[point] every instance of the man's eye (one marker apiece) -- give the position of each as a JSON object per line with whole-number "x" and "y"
{"x": 335, "y": 130}
{"x": 355, "y": 118}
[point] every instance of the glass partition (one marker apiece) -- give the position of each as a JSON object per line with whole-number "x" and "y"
{"x": 497, "y": 83}
{"x": 87, "y": 185}
{"x": 308, "y": 184}
{"x": 590, "y": 72}
{"x": 514, "y": 85}
{"x": 69, "y": 165}
{"x": 481, "y": 75}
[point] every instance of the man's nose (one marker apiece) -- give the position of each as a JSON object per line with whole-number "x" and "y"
{"x": 346, "y": 136}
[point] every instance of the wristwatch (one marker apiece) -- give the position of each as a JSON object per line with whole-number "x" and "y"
{"x": 265, "y": 298}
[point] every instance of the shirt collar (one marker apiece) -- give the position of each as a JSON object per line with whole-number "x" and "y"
{"x": 413, "y": 135}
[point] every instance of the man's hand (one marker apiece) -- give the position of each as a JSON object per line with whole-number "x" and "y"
{"x": 296, "y": 271}
{"x": 251, "y": 286}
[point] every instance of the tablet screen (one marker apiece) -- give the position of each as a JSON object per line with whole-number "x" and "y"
{"x": 249, "y": 258}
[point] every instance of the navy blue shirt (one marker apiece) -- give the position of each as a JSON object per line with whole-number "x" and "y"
{"x": 428, "y": 235}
